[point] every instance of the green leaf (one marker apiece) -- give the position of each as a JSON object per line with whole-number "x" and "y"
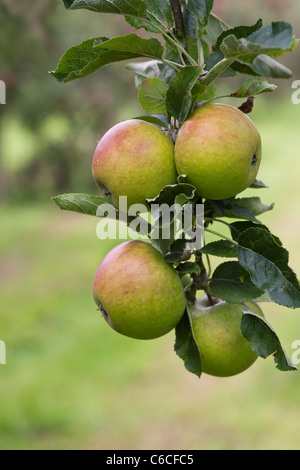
{"x": 216, "y": 56}
{"x": 265, "y": 341}
{"x": 82, "y": 203}
{"x": 247, "y": 208}
{"x": 222, "y": 248}
{"x": 252, "y": 87}
{"x": 216, "y": 70}
{"x": 267, "y": 264}
{"x": 175, "y": 197}
{"x": 160, "y": 11}
{"x": 188, "y": 268}
{"x": 92, "y": 54}
{"x": 278, "y": 35}
{"x": 135, "y": 8}
{"x": 158, "y": 14}
{"x": 231, "y": 282}
{"x": 236, "y": 228}
{"x": 274, "y": 39}
{"x": 238, "y": 53}
{"x": 201, "y": 93}
{"x": 176, "y": 251}
{"x": 239, "y": 32}
{"x": 186, "y": 347}
{"x": 268, "y": 67}
{"x": 152, "y": 95}
{"x": 179, "y": 95}
{"x": 157, "y": 120}
{"x": 201, "y": 9}
{"x": 151, "y": 69}
{"x": 257, "y": 184}
{"x": 215, "y": 27}
{"x": 170, "y": 193}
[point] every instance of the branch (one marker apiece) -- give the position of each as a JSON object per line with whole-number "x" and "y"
{"x": 177, "y": 14}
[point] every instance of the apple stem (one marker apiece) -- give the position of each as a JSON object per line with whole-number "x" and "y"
{"x": 199, "y": 282}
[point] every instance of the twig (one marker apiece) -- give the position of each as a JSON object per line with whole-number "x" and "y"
{"x": 177, "y": 14}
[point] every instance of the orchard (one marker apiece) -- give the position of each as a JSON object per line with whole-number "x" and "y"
{"x": 189, "y": 148}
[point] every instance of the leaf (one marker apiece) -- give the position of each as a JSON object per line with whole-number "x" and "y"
{"x": 268, "y": 67}
{"x": 151, "y": 69}
{"x": 267, "y": 264}
{"x": 152, "y": 95}
{"x": 176, "y": 251}
{"x": 258, "y": 184}
{"x": 237, "y": 53}
{"x": 82, "y": 203}
{"x": 242, "y": 208}
{"x": 92, "y": 54}
{"x": 158, "y": 14}
{"x": 239, "y": 32}
{"x": 265, "y": 341}
{"x": 278, "y": 35}
{"x": 186, "y": 347}
{"x": 236, "y": 228}
{"x": 247, "y": 208}
{"x": 135, "y": 8}
{"x": 216, "y": 56}
{"x": 216, "y": 70}
{"x": 252, "y": 87}
{"x": 170, "y": 192}
{"x": 274, "y": 39}
{"x": 222, "y": 248}
{"x": 215, "y": 27}
{"x": 231, "y": 282}
{"x": 179, "y": 96}
{"x": 160, "y": 11}
{"x": 201, "y": 10}
{"x": 157, "y": 120}
{"x": 167, "y": 208}
{"x": 188, "y": 268}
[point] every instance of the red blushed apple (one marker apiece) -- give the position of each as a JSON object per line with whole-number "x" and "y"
{"x": 134, "y": 159}
{"x": 138, "y": 292}
{"x": 219, "y": 149}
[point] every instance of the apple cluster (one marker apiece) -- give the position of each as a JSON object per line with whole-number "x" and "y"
{"x": 140, "y": 295}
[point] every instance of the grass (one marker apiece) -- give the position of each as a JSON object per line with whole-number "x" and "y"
{"x": 72, "y": 383}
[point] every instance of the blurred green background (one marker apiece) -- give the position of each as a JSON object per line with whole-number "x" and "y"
{"x": 70, "y": 381}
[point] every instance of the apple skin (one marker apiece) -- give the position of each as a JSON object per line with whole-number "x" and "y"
{"x": 139, "y": 293}
{"x": 218, "y": 148}
{"x": 134, "y": 159}
{"x": 217, "y": 331}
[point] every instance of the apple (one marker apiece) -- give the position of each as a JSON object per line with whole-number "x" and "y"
{"x": 218, "y": 148}
{"x": 138, "y": 292}
{"x": 217, "y": 331}
{"x": 134, "y": 159}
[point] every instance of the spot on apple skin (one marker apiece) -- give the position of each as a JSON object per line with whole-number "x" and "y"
{"x": 254, "y": 160}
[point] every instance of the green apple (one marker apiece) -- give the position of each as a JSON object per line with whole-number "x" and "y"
{"x": 134, "y": 159}
{"x": 219, "y": 149}
{"x": 217, "y": 331}
{"x": 139, "y": 293}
